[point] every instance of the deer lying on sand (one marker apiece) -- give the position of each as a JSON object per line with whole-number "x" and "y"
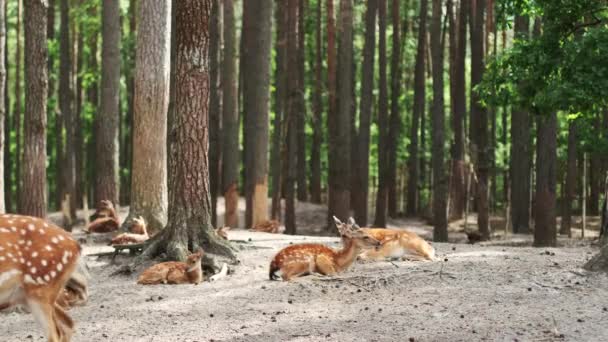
{"x": 398, "y": 244}
{"x": 104, "y": 219}
{"x": 270, "y": 226}
{"x": 37, "y": 261}
{"x": 301, "y": 259}
{"x": 222, "y": 232}
{"x": 139, "y": 233}
{"x": 174, "y": 272}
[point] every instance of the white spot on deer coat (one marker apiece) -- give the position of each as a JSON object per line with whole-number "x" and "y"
{"x": 54, "y": 240}
{"x": 33, "y": 270}
{"x": 48, "y": 248}
{"x": 35, "y": 254}
{"x": 28, "y": 279}
{"x": 59, "y": 267}
{"x": 43, "y": 262}
{"x": 31, "y": 227}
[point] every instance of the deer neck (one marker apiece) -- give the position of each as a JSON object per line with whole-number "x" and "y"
{"x": 195, "y": 273}
{"x": 346, "y": 256}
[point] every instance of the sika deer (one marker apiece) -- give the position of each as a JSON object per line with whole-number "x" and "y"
{"x": 139, "y": 234}
{"x": 298, "y": 260}
{"x": 398, "y": 244}
{"x": 174, "y": 272}
{"x": 104, "y": 219}
{"x": 270, "y": 226}
{"x": 37, "y": 260}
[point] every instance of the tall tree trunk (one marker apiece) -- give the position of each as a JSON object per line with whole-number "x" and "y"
{"x": 2, "y": 103}
{"x": 19, "y": 151}
{"x": 66, "y": 98}
{"x": 8, "y": 171}
{"x": 107, "y": 120}
{"x": 189, "y": 225}
{"x": 54, "y": 119}
{"x": 571, "y": 173}
{"x": 36, "y": 91}
{"x": 479, "y": 120}
{"x": 151, "y": 100}
{"x": 317, "y": 137}
{"x": 257, "y": 28}
{"x": 382, "y": 194}
{"x": 360, "y": 205}
{"x": 127, "y": 151}
{"x": 340, "y": 123}
{"x": 458, "y": 49}
{"x": 332, "y": 103}
{"x": 418, "y": 112}
{"x": 301, "y": 121}
{"x": 440, "y": 186}
{"x": 230, "y": 119}
{"x": 521, "y": 151}
{"x": 215, "y": 105}
{"x": 395, "y": 116}
{"x": 292, "y": 56}
{"x": 546, "y": 177}
{"x": 92, "y": 96}
{"x": 78, "y": 107}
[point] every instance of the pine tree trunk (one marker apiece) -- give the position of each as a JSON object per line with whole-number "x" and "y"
{"x": 36, "y": 91}
{"x": 8, "y": 171}
{"x": 521, "y": 152}
{"x": 257, "y": 30}
{"x": 546, "y": 177}
{"x": 278, "y": 142}
{"x": 215, "y": 105}
{"x": 418, "y": 112}
{"x": 291, "y": 109}
{"x": 395, "y": 117}
{"x": 107, "y": 120}
{"x": 360, "y": 205}
{"x": 230, "y": 119}
{"x": 2, "y": 103}
{"x": 56, "y": 163}
{"x": 571, "y": 177}
{"x": 302, "y": 169}
{"x": 127, "y": 151}
{"x": 317, "y": 138}
{"x": 382, "y": 194}
{"x": 19, "y": 151}
{"x": 92, "y": 96}
{"x": 151, "y": 99}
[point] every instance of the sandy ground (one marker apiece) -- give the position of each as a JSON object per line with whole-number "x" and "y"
{"x": 491, "y": 292}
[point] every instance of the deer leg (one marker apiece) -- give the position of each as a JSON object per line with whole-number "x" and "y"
{"x": 295, "y": 270}
{"x": 43, "y": 312}
{"x": 64, "y": 323}
{"x": 325, "y": 265}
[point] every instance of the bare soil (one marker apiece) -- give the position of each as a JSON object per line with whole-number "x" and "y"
{"x": 503, "y": 290}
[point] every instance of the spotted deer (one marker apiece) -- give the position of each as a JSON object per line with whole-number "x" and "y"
{"x": 398, "y": 244}
{"x": 302, "y": 259}
{"x": 104, "y": 219}
{"x": 269, "y": 226}
{"x": 37, "y": 261}
{"x": 139, "y": 233}
{"x": 174, "y": 272}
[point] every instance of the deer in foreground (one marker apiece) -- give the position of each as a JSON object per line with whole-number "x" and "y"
{"x": 104, "y": 219}
{"x": 37, "y": 261}
{"x": 398, "y": 244}
{"x": 139, "y": 233}
{"x": 174, "y": 272}
{"x": 302, "y": 259}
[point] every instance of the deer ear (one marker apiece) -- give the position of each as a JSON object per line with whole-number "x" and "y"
{"x": 337, "y": 221}
{"x": 351, "y": 221}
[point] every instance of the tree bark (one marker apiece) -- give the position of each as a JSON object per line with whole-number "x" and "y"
{"x": 382, "y": 194}
{"x": 107, "y": 148}
{"x": 360, "y": 205}
{"x": 230, "y": 118}
{"x": 521, "y": 151}
{"x": 418, "y": 112}
{"x": 317, "y": 137}
{"x": 8, "y": 171}
{"x": 151, "y": 99}
{"x": 127, "y": 151}
{"x": 36, "y": 91}
{"x": 301, "y": 114}
{"x": 546, "y": 177}
{"x": 278, "y": 144}
{"x": 215, "y": 105}
{"x": 19, "y": 151}
{"x": 440, "y": 186}
{"x": 2, "y": 103}
{"x": 571, "y": 179}
{"x": 257, "y": 31}
{"x": 340, "y": 123}
{"x": 292, "y": 108}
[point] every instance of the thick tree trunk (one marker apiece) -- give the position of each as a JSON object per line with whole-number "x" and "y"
{"x": 317, "y": 137}
{"x": 92, "y": 95}
{"x": 440, "y": 181}
{"x": 215, "y": 105}
{"x": 301, "y": 113}
{"x": 546, "y": 177}
{"x": 382, "y": 194}
{"x": 360, "y": 198}
{"x": 418, "y": 112}
{"x": 571, "y": 179}
{"x": 19, "y": 151}
{"x": 278, "y": 143}
{"x": 340, "y": 123}
{"x": 521, "y": 151}
{"x": 107, "y": 121}
{"x": 479, "y": 122}
{"x": 230, "y": 118}
{"x": 292, "y": 112}
{"x": 2, "y": 103}
{"x": 36, "y": 91}
{"x": 257, "y": 31}
{"x": 151, "y": 99}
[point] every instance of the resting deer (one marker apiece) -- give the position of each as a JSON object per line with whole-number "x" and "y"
{"x": 104, "y": 219}
{"x": 301, "y": 259}
{"x": 139, "y": 233}
{"x": 270, "y": 226}
{"x": 222, "y": 232}
{"x": 398, "y": 244}
{"x": 174, "y": 272}
{"x": 37, "y": 261}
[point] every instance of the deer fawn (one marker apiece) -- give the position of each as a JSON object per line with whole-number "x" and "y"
{"x": 298, "y": 260}
{"x": 104, "y": 219}
{"x": 139, "y": 233}
{"x": 270, "y": 226}
{"x": 398, "y": 244}
{"x": 37, "y": 261}
{"x": 174, "y": 272}
{"x": 222, "y": 232}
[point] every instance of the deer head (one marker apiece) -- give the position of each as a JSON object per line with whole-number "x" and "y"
{"x": 352, "y": 231}
{"x": 222, "y": 232}
{"x": 139, "y": 226}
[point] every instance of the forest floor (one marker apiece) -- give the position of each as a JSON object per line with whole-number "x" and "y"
{"x": 503, "y": 290}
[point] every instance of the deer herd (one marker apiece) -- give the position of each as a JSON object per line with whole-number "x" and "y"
{"x": 41, "y": 267}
